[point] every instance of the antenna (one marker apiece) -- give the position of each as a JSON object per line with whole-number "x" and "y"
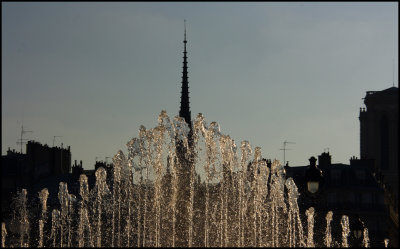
{"x": 326, "y": 149}
{"x": 393, "y": 72}
{"x": 285, "y": 149}
{"x": 107, "y": 158}
{"x": 21, "y": 140}
{"x": 54, "y": 138}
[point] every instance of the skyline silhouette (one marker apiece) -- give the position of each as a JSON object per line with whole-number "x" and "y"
{"x": 93, "y": 73}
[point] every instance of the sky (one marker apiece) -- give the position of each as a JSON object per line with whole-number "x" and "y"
{"x": 267, "y": 72}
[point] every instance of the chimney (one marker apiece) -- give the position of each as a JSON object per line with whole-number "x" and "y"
{"x": 324, "y": 160}
{"x": 312, "y": 162}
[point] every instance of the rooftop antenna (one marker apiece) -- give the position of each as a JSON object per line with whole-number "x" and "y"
{"x": 393, "y": 72}
{"x": 21, "y": 140}
{"x": 107, "y": 159}
{"x": 54, "y": 139}
{"x": 326, "y": 149}
{"x": 285, "y": 149}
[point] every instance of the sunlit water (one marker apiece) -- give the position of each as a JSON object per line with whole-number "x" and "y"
{"x": 171, "y": 191}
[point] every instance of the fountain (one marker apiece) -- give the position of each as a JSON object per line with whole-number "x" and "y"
{"x": 176, "y": 187}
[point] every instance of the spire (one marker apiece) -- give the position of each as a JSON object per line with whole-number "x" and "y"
{"x": 184, "y": 25}
{"x": 184, "y": 111}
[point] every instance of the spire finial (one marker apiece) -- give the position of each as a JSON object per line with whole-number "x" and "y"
{"x": 184, "y": 24}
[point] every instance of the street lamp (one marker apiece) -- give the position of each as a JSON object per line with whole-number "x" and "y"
{"x": 358, "y": 228}
{"x": 313, "y": 176}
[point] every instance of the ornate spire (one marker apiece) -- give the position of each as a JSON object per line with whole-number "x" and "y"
{"x": 185, "y": 109}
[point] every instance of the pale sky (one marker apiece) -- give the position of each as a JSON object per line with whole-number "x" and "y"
{"x": 266, "y": 72}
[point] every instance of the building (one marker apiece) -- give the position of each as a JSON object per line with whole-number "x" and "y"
{"x": 344, "y": 189}
{"x": 20, "y": 170}
{"x": 379, "y": 141}
{"x": 379, "y": 125}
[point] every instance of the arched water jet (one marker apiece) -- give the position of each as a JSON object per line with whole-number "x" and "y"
{"x": 386, "y": 241}
{"x": 84, "y": 222}
{"x": 294, "y": 222}
{"x": 310, "y": 230}
{"x": 3, "y": 234}
{"x": 345, "y": 230}
{"x": 55, "y": 223}
{"x": 328, "y": 234}
{"x": 100, "y": 196}
{"x": 20, "y": 222}
{"x": 365, "y": 238}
